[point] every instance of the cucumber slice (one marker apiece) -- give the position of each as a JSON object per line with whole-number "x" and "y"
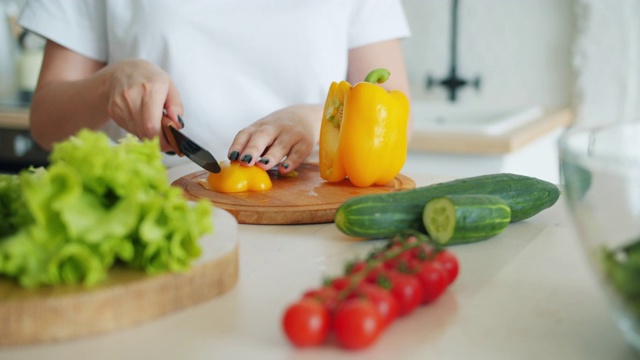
{"x": 462, "y": 219}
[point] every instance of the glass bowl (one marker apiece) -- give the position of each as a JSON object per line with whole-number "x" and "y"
{"x": 600, "y": 174}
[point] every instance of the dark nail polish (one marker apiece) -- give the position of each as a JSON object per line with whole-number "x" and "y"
{"x": 234, "y": 155}
{"x": 169, "y": 153}
{"x": 285, "y": 165}
{"x": 180, "y": 120}
{"x": 264, "y": 160}
{"x": 247, "y": 158}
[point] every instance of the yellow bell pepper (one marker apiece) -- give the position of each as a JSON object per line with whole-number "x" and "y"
{"x": 234, "y": 178}
{"x": 331, "y": 168}
{"x": 363, "y": 135}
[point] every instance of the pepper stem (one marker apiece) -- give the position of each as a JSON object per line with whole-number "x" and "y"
{"x": 377, "y": 76}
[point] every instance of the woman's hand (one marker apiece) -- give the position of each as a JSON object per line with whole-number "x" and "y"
{"x": 76, "y": 92}
{"x": 291, "y": 132}
{"x": 138, "y": 93}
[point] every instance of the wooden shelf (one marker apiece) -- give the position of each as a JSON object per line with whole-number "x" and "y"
{"x": 490, "y": 145}
{"x": 14, "y": 118}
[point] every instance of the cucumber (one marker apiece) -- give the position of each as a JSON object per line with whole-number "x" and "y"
{"x": 462, "y": 219}
{"x": 384, "y": 215}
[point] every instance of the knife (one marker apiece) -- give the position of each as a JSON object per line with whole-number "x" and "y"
{"x": 182, "y": 145}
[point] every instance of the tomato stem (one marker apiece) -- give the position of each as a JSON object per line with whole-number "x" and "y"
{"x": 375, "y": 261}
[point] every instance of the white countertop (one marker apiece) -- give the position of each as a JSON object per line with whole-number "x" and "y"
{"x": 525, "y": 294}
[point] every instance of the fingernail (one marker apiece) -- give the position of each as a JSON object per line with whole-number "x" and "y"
{"x": 285, "y": 165}
{"x": 247, "y": 158}
{"x": 180, "y": 120}
{"x": 264, "y": 160}
{"x": 170, "y": 153}
{"x": 234, "y": 155}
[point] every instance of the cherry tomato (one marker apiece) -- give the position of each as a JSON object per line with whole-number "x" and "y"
{"x": 326, "y": 295}
{"x": 399, "y": 240}
{"x": 306, "y": 322}
{"x": 407, "y": 289}
{"x": 450, "y": 264}
{"x": 340, "y": 283}
{"x": 434, "y": 280}
{"x": 382, "y": 299}
{"x": 357, "y": 323}
{"x": 399, "y": 262}
{"x": 423, "y": 252}
{"x": 372, "y": 276}
{"x": 355, "y": 267}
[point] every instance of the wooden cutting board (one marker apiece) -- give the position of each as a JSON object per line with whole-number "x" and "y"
{"x": 125, "y": 299}
{"x": 304, "y": 199}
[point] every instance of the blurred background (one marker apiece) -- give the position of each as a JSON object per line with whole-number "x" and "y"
{"x": 494, "y": 82}
{"x": 520, "y": 51}
{"x": 554, "y": 53}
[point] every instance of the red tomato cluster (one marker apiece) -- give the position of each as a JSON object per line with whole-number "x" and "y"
{"x": 372, "y": 293}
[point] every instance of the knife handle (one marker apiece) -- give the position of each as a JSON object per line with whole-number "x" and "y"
{"x": 167, "y": 124}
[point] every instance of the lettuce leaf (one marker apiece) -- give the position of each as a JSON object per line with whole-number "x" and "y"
{"x": 97, "y": 205}
{"x": 13, "y": 212}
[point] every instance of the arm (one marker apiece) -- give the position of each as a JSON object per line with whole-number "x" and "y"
{"x": 295, "y": 130}
{"x": 68, "y": 96}
{"x": 386, "y": 54}
{"x": 76, "y": 92}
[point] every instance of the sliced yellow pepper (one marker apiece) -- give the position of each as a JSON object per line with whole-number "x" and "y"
{"x": 331, "y": 168}
{"x": 234, "y": 178}
{"x": 363, "y": 135}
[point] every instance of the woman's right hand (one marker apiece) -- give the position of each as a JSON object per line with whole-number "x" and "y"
{"x": 76, "y": 92}
{"x": 139, "y": 91}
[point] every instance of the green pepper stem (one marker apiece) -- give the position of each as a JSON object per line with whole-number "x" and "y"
{"x": 377, "y": 76}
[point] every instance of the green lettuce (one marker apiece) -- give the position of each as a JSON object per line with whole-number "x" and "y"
{"x": 97, "y": 205}
{"x": 13, "y": 212}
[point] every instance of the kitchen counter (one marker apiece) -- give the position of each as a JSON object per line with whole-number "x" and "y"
{"x": 525, "y": 294}
{"x": 530, "y": 149}
{"x": 479, "y": 144}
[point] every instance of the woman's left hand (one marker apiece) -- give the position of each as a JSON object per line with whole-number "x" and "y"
{"x": 291, "y": 132}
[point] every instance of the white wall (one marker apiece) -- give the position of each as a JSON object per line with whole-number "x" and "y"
{"x": 522, "y": 49}
{"x": 8, "y": 48}
{"x": 607, "y": 61}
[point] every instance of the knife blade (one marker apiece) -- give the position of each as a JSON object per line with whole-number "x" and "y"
{"x": 184, "y": 146}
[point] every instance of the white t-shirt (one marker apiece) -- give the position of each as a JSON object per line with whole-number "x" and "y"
{"x": 233, "y": 61}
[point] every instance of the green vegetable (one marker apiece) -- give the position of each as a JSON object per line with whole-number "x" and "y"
{"x": 622, "y": 270}
{"x": 13, "y": 211}
{"x": 461, "y": 219}
{"x": 383, "y": 215}
{"x": 578, "y": 176}
{"x": 97, "y": 205}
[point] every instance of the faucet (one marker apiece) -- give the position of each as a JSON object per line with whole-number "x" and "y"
{"x": 452, "y": 83}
